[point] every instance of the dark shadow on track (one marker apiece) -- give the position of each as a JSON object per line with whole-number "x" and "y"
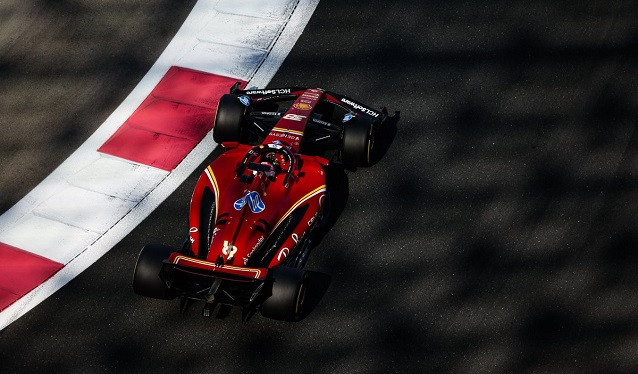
{"x": 384, "y": 138}
{"x": 318, "y": 284}
{"x": 338, "y": 190}
{"x": 65, "y": 66}
{"x": 497, "y": 234}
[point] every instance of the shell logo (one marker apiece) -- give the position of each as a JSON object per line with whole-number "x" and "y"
{"x": 302, "y": 106}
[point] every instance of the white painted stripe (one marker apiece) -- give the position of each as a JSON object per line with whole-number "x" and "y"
{"x": 120, "y": 178}
{"x": 75, "y": 215}
{"x": 49, "y": 238}
{"x": 273, "y": 9}
{"x": 237, "y": 30}
{"x": 287, "y": 39}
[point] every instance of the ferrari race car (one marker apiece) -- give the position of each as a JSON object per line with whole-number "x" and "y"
{"x": 256, "y": 209}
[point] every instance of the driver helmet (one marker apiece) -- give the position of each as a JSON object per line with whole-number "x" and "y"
{"x": 270, "y": 160}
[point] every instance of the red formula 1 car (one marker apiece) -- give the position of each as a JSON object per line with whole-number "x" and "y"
{"x": 256, "y": 209}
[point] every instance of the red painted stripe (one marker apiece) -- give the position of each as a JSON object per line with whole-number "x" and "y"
{"x": 172, "y": 120}
{"x": 21, "y": 272}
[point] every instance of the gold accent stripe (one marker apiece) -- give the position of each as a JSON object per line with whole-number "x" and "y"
{"x": 280, "y": 129}
{"x": 306, "y": 197}
{"x": 213, "y": 181}
{"x": 257, "y": 272}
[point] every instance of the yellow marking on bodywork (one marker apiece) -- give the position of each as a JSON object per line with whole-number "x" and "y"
{"x": 280, "y": 129}
{"x": 212, "y": 264}
{"x": 295, "y": 205}
{"x": 213, "y": 180}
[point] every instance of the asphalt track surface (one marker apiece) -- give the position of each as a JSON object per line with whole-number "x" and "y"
{"x": 64, "y": 68}
{"x": 497, "y": 235}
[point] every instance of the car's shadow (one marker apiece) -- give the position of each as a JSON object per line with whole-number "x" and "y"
{"x": 338, "y": 189}
{"x": 384, "y": 137}
{"x": 317, "y": 284}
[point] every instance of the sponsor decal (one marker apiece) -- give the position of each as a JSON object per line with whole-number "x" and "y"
{"x": 312, "y": 93}
{"x": 284, "y": 135}
{"x": 314, "y": 218}
{"x": 259, "y": 241}
{"x": 360, "y": 108}
{"x": 302, "y": 106}
{"x": 283, "y": 253}
{"x": 276, "y": 144}
{"x": 325, "y": 123}
{"x": 276, "y": 91}
{"x": 253, "y": 200}
{"x": 244, "y": 100}
{"x": 296, "y": 238}
{"x": 191, "y": 230}
{"x": 294, "y": 117}
{"x": 229, "y": 250}
{"x": 322, "y": 200}
{"x": 347, "y": 117}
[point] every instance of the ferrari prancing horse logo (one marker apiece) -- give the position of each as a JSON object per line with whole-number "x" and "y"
{"x": 229, "y": 250}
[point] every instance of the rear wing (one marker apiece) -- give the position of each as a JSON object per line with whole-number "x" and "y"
{"x": 196, "y": 266}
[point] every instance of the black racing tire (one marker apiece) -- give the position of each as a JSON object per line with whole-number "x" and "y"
{"x": 146, "y": 280}
{"x": 289, "y": 287}
{"x": 358, "y": 141}
{"x": 229, "y": 119}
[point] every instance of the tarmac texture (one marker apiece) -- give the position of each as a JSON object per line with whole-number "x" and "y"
{"x": 498, "y": 233}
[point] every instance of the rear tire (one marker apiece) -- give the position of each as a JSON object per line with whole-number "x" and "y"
{"x": 288, "y": 294}
{"x": 229, "y": 119}
{"x": 357, "y": 143}
{"x": 146, "y": 280}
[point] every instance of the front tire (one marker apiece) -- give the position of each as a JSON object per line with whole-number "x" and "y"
{"x": 229, "y": 119}
{"x": 289, "y": 288}
{"x": 146, "y": 280}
